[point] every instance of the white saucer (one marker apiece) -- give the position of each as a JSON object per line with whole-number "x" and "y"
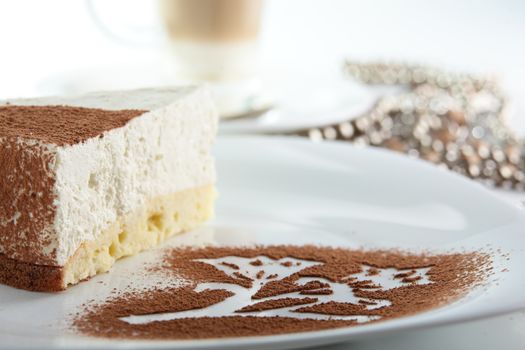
{"x": 280, "y": 100}
{"x": 276, "y": 191}
{"x": 307, "y": 103}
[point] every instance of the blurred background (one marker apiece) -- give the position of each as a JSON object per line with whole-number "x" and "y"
{"x": 69, "y": 46}
{"x": 279, "y": 66}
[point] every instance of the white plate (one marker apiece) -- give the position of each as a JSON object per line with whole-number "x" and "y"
{"x": 275, "y": 190}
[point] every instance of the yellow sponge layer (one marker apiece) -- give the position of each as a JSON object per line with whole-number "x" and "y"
{"x": 158, "y": 219}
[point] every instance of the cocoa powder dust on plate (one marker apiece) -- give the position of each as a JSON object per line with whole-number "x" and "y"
{"x": 268, "y": 290}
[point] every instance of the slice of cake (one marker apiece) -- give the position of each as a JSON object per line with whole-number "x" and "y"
{"x": 85, "y": 181}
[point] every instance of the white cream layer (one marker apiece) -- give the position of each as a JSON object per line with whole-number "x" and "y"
{"x": 162, "y": 151}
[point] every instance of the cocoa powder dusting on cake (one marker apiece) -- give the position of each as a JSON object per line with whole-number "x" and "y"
{"x": 61, "y": 125}
{"x": 312, "y": 289}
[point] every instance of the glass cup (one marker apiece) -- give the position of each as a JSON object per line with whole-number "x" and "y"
{"x": 213, "y": 40}
{"x": 208, "y": 41}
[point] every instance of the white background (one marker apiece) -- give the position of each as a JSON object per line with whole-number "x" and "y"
{"x": 40, "y": 39}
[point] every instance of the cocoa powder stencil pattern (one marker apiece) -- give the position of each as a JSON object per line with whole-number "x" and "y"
{"x": 324, "y": 290}
{"x": 315, "y": 287}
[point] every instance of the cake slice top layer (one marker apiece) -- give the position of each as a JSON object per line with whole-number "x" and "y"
{"x": 143, "y": 99}
{"x": 61, "y": 125}
{"x": 67, "y": 120}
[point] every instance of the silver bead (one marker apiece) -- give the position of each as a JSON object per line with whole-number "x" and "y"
{"x": 315, "y": 135}
{"x": 346, "y": 129}
{"x": 437, "y": 145}
{"x": 451, "y": 156}
{"x": 478, "y": 132}
{"x": 483, "y": 151}
{"x": 414, "y": 153}
{"x": 474, "y": 170}
{"x": 330, "y": 133}
{"x": 362, "y": 123}
{"x": 505, "y": 172}
{"x": 498, "y": 155}
{"x": 375, "y": 138}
